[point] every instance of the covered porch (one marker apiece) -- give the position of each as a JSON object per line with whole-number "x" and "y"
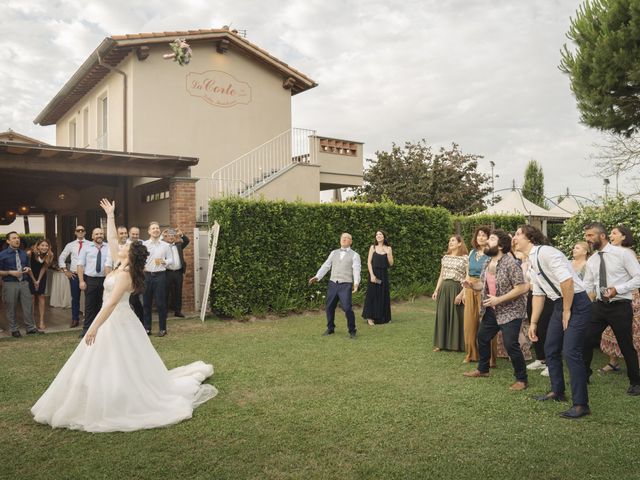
{"x": 66, "y": 184}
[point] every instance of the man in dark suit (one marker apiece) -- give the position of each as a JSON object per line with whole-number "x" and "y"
{"x": 177, "y": 241}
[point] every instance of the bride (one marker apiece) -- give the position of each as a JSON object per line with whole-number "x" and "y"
{"x": 115, "y": 379}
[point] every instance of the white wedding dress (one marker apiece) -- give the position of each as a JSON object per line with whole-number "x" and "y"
{"x": 120, "y": 382}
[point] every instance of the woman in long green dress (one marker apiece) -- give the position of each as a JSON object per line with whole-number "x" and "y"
{"x": 449, "y": 330}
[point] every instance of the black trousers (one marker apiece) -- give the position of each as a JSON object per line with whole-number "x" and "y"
{"x": 174, "y": 290}
{"x": 618, "y": 315}
{"x": 155, "y": 289}
{"x": 543, "y": 326}
{"x": 340, "y": 292}
{"x": 489, "y": 328}
{"x": 92, "y": 300}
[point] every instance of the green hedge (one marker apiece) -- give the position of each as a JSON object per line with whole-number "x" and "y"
{"x": 467, "y": 225}
{"x": 267, "y": 251}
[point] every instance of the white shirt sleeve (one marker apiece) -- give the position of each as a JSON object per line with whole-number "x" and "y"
{"x": 558, "y": 264}
{"x": 62, "y": 259}
{"x": 632, "y": 267}
{"x": 326, "y": 266}
{"x": 357, "y": 266}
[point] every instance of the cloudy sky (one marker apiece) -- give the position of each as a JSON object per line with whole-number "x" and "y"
{"x": 481, "y": 73}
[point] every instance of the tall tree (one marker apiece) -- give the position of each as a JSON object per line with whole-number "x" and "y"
{"x": 415, "y": 175}
{"x": 604, "y": 68}
{"x": 533, "y": 186}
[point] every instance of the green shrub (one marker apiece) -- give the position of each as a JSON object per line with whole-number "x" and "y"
{"x": 267, "y": 250}
{"x": 612, "y": 213}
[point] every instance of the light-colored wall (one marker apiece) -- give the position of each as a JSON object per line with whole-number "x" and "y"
{"x": 301, "y": 182}
{"x": 113, "y": 86}
{"x": 167, "y": 119}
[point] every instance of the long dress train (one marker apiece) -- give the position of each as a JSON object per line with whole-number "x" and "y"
{"x": 120, "y": 382}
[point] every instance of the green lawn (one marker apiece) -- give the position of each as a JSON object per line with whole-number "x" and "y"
{"x": 295, "y": 404}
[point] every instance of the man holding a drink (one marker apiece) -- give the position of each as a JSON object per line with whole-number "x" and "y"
{"x": 155, "y": 279}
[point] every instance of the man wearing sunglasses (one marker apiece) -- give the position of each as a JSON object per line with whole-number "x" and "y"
{"x": 72, "y": 252}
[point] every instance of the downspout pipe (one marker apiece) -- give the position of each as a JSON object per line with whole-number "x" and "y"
{"x": 124, "y": 99}
{"x": 124, "y": 129}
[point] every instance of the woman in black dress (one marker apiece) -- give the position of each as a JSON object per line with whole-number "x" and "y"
{"x": 377, "y": 303}
{"x": 40, "y": 258}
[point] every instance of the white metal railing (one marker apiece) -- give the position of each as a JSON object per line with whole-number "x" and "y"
{"x": 259, "y": 166}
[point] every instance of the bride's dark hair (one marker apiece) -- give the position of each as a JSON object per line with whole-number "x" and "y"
{"x": 138, "y": 254}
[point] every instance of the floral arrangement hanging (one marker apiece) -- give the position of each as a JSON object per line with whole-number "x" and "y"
{"x": 181, "y": 52}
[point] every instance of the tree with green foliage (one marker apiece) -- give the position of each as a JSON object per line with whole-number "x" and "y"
{"x": 614, "y": 212}
{"x": 604, "y": 68}
{"x": 533, "y": 186}
{"x": 416, "y": 175}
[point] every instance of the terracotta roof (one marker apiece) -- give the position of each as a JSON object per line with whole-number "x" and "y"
{"x": 15, "y": 137}
{"x": 114, "y": 49}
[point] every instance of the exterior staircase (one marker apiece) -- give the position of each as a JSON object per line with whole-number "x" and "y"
{"x": 248, "y": 173}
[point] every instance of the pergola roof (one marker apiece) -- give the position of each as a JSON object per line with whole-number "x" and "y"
{"x": 114, "y": 49}
{"x": 43, "y": 158}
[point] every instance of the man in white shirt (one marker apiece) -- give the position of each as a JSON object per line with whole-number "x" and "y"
{"x": 93, "y": 267}
{"x": 155, "y": 279}
{"x": 345, "y": 268}
{"x": 177, "y": 241}
{"x": 612, "y": 275}
{"x": 553, "y": 277}
{"x": 72, "y": 250}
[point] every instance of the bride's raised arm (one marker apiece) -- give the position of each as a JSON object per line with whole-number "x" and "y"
{"x": 112, "y": 232}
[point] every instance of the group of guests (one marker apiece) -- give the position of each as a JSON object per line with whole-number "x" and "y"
{"x": 86, "y": 263}
{"x": 512, "y": 284}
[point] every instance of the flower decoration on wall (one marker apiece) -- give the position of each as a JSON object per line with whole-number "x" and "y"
{"x": 181, "y": 52}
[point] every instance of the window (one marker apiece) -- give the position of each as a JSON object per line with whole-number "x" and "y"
{"x": 72, "y": 133}
{"x": 154, "y": 191}
{"x": 103, "y": 121}
{"x": 85, "y": 127}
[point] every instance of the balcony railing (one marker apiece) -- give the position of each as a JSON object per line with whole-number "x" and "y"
{"x": 259, "y": 166}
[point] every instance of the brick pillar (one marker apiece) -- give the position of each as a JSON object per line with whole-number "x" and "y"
{"x": 182, "y": 214}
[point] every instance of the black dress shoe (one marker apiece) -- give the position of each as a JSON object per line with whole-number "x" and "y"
{"x": 162, "y": 333}
{"x": 576, "y": 411}
{"x": 74, "y": 323}
{"x": 16, "y": 334}
{"x": 35, "y": 332}
{"x": 556, "y": 397}
{"x": 352, "y": 335}
{"x": 148, "y": 332}
{"x": 328, "y": 332}
{"x": 179, "y": 314}
{"x": 633, "y": 390}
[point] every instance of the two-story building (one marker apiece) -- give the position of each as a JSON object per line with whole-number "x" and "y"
{"x": 216, "y": 126}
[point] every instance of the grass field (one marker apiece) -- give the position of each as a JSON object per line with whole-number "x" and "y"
{"x": 296, "y": 405}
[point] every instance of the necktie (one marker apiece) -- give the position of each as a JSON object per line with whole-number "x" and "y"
{"x": 80, "y": 247}
{"x": 18, "y": 265}
{"x": 602, "y": 277}
{"x": 99, "y": 260}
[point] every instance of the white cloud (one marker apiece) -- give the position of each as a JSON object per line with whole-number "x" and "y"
{"x": 483, "y": 73}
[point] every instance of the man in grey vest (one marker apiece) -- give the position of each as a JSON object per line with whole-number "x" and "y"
{"x": 345, "y": 266}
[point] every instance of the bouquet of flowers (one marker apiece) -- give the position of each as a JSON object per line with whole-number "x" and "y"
{"x": 181, "y": 52}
